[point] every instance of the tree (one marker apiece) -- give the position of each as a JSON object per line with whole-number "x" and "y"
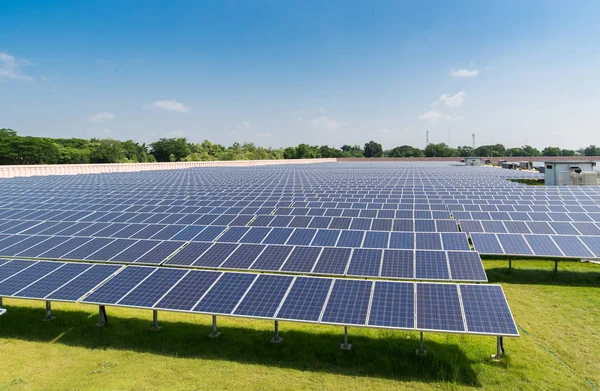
{"x": 289, "y": 153}
{"x": 592, "y": 150}
{"x": 465, "y": 151}
{"x": 6, "y": 132}
{"x": 567, "y": 152}
{"x": 405, "y": 151}
{"x": 107, "y": 151}
{"x": 439, "y": 150}
{"x": 490, "y": 150}
{"x": 165, "y": 147}
{"x": 551, "y": 151}
{"x": 373, "y": 149}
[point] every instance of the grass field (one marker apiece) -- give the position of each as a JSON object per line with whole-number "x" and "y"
{"x": 559, "y": 348}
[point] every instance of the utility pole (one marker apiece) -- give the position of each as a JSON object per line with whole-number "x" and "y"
{"x": 473, "y": 135}
{"x": 426, "y": 138}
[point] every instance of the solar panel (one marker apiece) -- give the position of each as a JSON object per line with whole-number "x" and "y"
{"x": 53, "y": 281}
{"x": 80, "y": 285}
{"x": 592, "y": 243}
{"x": 325, "y": 237}
{"x": 265, "y": 296}
{"x": 225, "y": 294}
{"x": 514, "y": 244}
{"x": 272, "y": 258}
{"x": 216, "y": 255}
{"x": 428, "y": 241}
{"x": 438, "y": 308}
{"x": 278, "y": 236}
{"x": 333, "y": 261}
{"x": 305, "y": 299}
{"x": 348, "y": 302}
{"x": 13, "y": 267}
{"x": 159, "y": 253}
{"x": 466, "y": 266}
{"x": 486, "y": 243}
{"x": 255, "y": 235}
{"x": 153, "y": 288}
{"x": 455, "y": 241}
{"x": 431, "y": 265}
{"x": 185, "y": 295}
{"x": 113, "y": 290}
{"x": 243, "y": 257}
{"x": 189, "y": 254}
{"x": 543, "y": 245}
{"x": 302, "y": 259}
{"x": 486, "y": 310}
{"x": 402, "y": 240}
{"x": 365, "y": 262}
{"x": 350, "y": 238}
{"x": 393, "y": 305}
{"x": 571, "y": 246}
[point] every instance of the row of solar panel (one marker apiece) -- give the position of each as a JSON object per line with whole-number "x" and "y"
{"x": 528, "y": 216}
{"x": 82, "y": 248}
{"x": 559, "y": 246}
{"x": 397, "y": 264}
{"x": 539, "y": 207}
{"x": 528, "y": 227}
{"x": 423, "y": 222}
{"x": 465, "y": 308}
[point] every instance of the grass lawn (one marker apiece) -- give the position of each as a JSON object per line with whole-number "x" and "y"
{"x": 559, "y": 348}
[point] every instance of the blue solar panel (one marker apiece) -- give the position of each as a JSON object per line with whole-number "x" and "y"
{"x": 153, "y": 288}
{"x": 134, "y": 252}
{"x": 540, "y": 227}
{"x": 326, "y": 237}
{"x": 216, "y": 255}
{"x": 18, "y": 244}
{"x": 265, "y": 296}
{"x": 272, "y": 258}
{"x": 431, "y": 265}
{"x": 208, "y": 234}
{"x": 118, "y": 286}
{"x": 425, "y": 225}
{"x": 185, "y": 295}
{"x": 393, "y": 305}
{"x": 42, "y": 247}
{"x": 188, "y": 255}
{"x": 20, "y": 280}
{"x": 588, "y": 229}
{"x": 333, "y": 261}
{"x": 278, "y": 236}
{"x": 87, "y": 249}
{"x": 543, "y": 245}
{"x": 302, "y": 259}
{"x": 306, "y": 299}
{"x": 302, "y": 236}
{"x": 340, "y": 223}
{"x": 571, "y": 246}
{"x": 402, "y": 240}
{"x": 300, "y": 221}
{"x": 455, "y": 241}
{"x": 262, "y": 221}
{"x": 233, "y": 234}
{"x": 110, "y": 250}
{"x": 486, "y": 243}
{"x": 225, "y": 294}
{"x": 404, "y": 225}
{"x": 398, "y": 264}
{"x": 84, "y": 283}
{"x": 365, "y": 262}
{"x": 255, "y": 235}
{"x": 514, "y": 244}
{"x": 470, "y": 226}
{"x": 466, "y": 266}
{"x": 53, "y": 281}
{"x": 486, "y": 310}
{"x": 348, "y": 302}
{"x": 516, "y": 227}
{"x": 376, "y": 239}
{"x": 159, "y": 253}
{"x": 494, "y": 226}
{"x": 13, "y": 267}
{"x": 562, "y": 228}
{"x": 361, "y": 224}
{"x": 438, "y": 308}
{"x": 350, "y": 238}
{"x": 446, "y": 226}
{"x": 382, "y": 224}
{"x": 593, "y": 243}
{"x": 428, "y": 241}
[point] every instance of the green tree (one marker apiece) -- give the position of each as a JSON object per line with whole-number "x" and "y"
{"x": 165, "y": 147}
{"x": 551, "y": 151}
{"x": 567, "y": 152}
{"x": 107, "y": 151}
{"x": 6, "y": 132}
{"x": 465, "y": 151}
{"x": 490, "y": 150}
{"x": 439, "y": 150}
{"x": 592, "y": 150}
{"x": 373, "y": 149}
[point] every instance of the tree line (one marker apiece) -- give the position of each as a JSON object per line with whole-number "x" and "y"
{"x": 15, "y": 149}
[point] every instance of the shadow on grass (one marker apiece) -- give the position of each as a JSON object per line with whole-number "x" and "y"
{"x": 391, "y": 355}
{"x": 547, "y": 276}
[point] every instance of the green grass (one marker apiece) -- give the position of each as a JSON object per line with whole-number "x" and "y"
{"x": 558, "y": 316}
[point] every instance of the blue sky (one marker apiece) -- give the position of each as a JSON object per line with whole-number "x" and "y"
{"x": 280, "y": 73}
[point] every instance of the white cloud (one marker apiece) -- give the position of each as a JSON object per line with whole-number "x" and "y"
{"x": 455, "y": 100}
{"x": 103, "y": 116}
{"x": 246, "y": 124}
{"x": 325, "y": 123}
{"x": 384, "y": 130}
{"x": 464, "y": 72}
{"x": 12, "y": 68}
{"x": 171, "y": 105}
{"x": 434, "y": 117}
{"x": 177, "y": 133}
{"x": 321, "y": 109}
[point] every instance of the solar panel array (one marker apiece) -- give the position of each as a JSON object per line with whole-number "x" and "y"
{"x": 208, "y": 232}
{"x": 482, "y": 309}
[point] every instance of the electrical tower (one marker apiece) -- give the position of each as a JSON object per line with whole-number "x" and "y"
{"x": 427, "y": 138}
{"x": 473, "y": 135}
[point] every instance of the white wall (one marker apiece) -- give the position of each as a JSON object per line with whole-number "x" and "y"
{"x": 74, "y": 169}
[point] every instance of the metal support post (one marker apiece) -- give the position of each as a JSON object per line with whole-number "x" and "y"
{"x": 499, "y": 350}
{"x": 276, "y": 338}
{"x": 48, "y": 316}
{"x": 155, "y": 325}
{"x": 103, "y": 319}
{"x": 214, "y": 333}
{"x": 420, "y": 351}
{"x": 346, "y": 345}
